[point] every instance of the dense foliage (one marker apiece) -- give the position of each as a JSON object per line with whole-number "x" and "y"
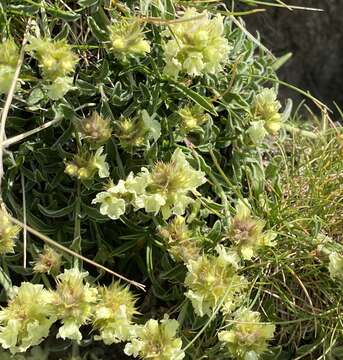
{"x": 147, "y": 139}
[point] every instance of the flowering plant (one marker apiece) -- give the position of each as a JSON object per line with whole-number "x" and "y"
{"x": 145, "y": 146}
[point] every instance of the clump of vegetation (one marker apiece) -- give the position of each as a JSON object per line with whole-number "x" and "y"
{"x": 158, "y": 200}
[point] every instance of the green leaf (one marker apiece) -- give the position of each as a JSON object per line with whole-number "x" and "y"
{"x": 56, "y": 213}
{"x": 215, "y": 233}
{"x": 93, "y": 213}
{"x": 5, "y": 280}
{"x": 121, "y": 250}
{"x": 282, "y": 60}
{"x": 64, "y": 15}
{"x": 88, "y": 3}
{"x": 195, "y": 97}
{"x": 35, "y": 96}
{"x": 99, "y": 33}
{"x": 63, "y": 34}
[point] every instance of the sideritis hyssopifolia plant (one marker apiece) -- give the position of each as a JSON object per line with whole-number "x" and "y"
{"x": 142, "y": 140}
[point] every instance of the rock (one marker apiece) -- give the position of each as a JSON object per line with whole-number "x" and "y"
{"x": 316, "y": 41}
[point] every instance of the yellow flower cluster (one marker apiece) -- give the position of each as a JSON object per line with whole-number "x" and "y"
{"x": 113, "y": 314}
{"x": 247, "y": 337}
{"x": 127, "y": 38}
{"x": 166, "y": 189}
{"x": 8, "y": 61}
{"x": 32, "y": 310}
{"x": 57, "y": 61}
{"x": 181, "y": 243}
{"x": 27, "y": 318}
{"x": 213, "y": 279}
{"x": 196, "y": 44}
{"x": 55, "y": 57}
{"x": 246, "y": 232}
{"x": 156, "y": 341}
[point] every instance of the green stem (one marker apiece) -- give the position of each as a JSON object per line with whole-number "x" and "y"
{"x": 76, "y": 244}
{"x": 221, "y": 191}
{"x": 75, "y": 350}
{"x": 221, "y": 171}
{"x": 214, "y": 314}
{"x": 294, "y": 130}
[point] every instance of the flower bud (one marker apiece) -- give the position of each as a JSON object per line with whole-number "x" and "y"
{"x": 180, "y": 241}
{"x": 247, "y": 233}
{"x": 265, "y": 107}
{"x": 55, "y": 57}
{"x": 49, "y": 261}
{"x": 127, "y": 38}
{"x": 95, "y": 130}
{"x": 8, "y": 234}
{"x": 86, "y": 165}
{"x": 134, "y": 133}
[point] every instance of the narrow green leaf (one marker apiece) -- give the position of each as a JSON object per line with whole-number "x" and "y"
{"x": 64, "y": 15}
{"x": 195, "y": 97}
{"x": 98, "y": 33}
{"x": 56, "y": 213}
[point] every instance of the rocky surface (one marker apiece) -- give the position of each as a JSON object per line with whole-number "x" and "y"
{"x": 316, "y": 41}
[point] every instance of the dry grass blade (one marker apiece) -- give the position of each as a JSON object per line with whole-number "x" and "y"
{"x": 9, "y": 98}
{"x": 20, "y": 137}
{"x": 55, "y": 244}
{"x": 251, "y": 37}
